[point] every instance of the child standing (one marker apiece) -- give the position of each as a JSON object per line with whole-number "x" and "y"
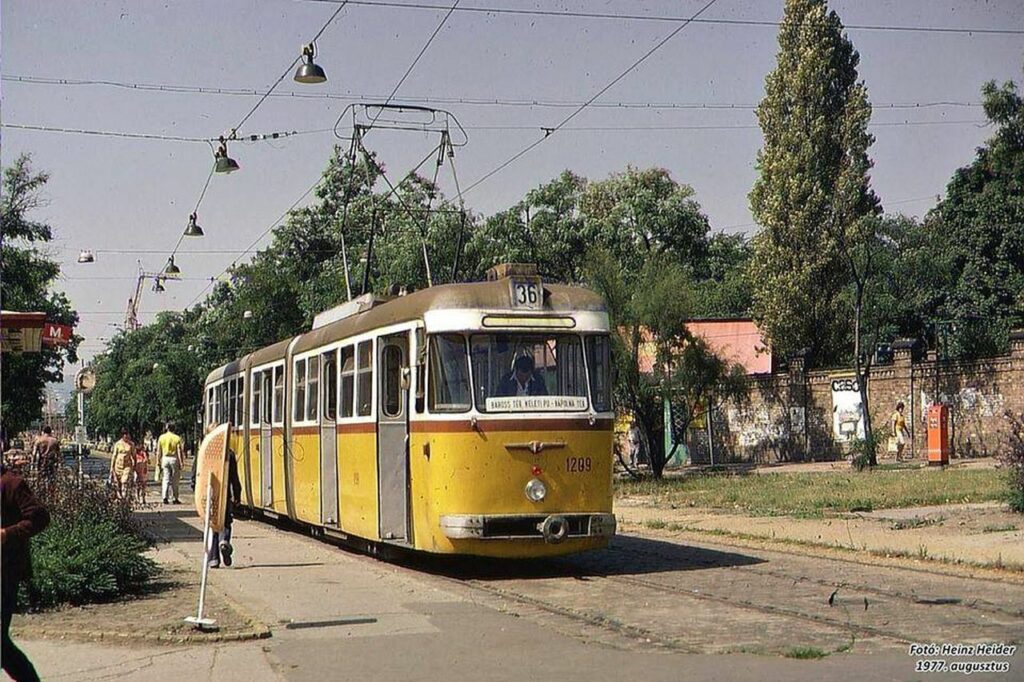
{"x": 141, "y": 471}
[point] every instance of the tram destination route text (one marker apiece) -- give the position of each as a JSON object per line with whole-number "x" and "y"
{"x": 950, "y": 657}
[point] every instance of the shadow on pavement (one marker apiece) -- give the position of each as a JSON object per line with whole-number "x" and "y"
{"x": 167, "y": 525}
{"x": 626, "y": 556}
{"x": 281, "y": 565}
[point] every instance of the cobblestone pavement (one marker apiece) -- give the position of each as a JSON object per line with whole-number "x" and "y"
{"x": 713, "y": 598}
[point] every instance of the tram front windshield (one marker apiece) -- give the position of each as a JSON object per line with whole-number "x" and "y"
{"x": 517, "y": 372}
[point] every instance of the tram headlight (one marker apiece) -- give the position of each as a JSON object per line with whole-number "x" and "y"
{"x": 536, "y": 490}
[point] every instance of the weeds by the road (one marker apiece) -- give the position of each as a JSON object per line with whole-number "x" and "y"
{"x": 1000, "y": 528}
{"x": 815, "y": 494}
{"x": 805, "y": 652}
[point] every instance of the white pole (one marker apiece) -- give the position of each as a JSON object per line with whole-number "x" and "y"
{"x": 81, "y": 433}
{"x": 198, "y": 621}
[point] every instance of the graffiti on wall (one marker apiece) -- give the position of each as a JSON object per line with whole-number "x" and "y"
{"x": 970, "y": 399}
{"x": 847, "y": 410}
{"x": 757, "y": 427}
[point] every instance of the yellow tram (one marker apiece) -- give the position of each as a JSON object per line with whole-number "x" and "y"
{"x": 463, "y": 419}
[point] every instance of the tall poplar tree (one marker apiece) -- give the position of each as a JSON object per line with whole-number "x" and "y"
{"x": 812, "y": 197}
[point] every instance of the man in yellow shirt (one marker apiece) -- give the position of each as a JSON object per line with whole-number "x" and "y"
{"x": 172, "y": 459}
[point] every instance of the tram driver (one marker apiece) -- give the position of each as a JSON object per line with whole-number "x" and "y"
{"x": 522, "y": 380}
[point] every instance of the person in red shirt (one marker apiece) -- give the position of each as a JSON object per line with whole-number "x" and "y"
{"x": 23, "y": 516}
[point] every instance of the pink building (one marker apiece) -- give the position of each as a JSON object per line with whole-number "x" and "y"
{"x": 735, "y": 339}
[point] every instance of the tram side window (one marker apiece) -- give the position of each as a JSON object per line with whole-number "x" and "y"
{"x": 313, "y": 387}
{"x": 240, "y": 401}
{"x": 279, "y": 395}
{"x": 299, "y": 395}
{"x": 209, "y": 407}
{"x": 599, "y": 361}
{"x": 254, "y": 401}
{"x": 268, "y": 396}
{"x": 391, "y": 383}
{"x": 348, "y": 380}
{"x": 229, "y": 404}
{"x": 449, "y": 374}
{"x": 222, "y": 399}
{"x": 330, "y": 384}
{"x": 364, "y": 382}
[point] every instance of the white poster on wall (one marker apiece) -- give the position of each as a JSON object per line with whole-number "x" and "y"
{"x": 847, "y": 410}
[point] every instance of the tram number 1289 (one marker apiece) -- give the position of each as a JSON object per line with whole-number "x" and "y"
{"x": 578, "y": 464}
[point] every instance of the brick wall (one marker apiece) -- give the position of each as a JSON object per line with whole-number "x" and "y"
{"x": 789, "y": 416}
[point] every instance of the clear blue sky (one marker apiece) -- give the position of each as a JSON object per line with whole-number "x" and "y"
{"x": 133, "y": 196}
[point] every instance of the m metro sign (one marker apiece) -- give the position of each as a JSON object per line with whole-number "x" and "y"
{"x": 56, "y": 334}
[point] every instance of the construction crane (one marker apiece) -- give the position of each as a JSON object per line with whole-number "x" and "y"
{"x": 131, "y": 317}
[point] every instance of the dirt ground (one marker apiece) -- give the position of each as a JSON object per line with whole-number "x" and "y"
{"x": 985, "y": 534}
{"x": 157, "y": 616}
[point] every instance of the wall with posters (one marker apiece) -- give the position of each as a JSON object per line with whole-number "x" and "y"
{"x": 804, "y": 414}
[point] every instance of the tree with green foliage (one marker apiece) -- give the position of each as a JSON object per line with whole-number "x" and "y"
{"x": 723, "y": 287}
{"x": 148, "y": 376}
{"x": 645, "y": 213}
{"x": 981, "y": 223}
{"x": 28, "y": 274}
{"x": 812, "y": 187}
{"x": 656, "y": 358}
{"x": 545, "y": 228}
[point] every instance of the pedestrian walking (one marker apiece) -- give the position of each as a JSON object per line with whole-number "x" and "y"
{"x": 46, "y": 454}
{"x": 900, "y": 433}
{"x": 23, "y": 516}
{"x": 220, "y": 548}
{"x": 633, "y": 443}
{"x": 122, "y": 465}
{"x": 172, "y": 459}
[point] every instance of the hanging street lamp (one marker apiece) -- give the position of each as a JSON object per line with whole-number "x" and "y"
{"x": 222, "y": 162}
{"x": 193, "y": 229}
{"x": 309, "y": 71}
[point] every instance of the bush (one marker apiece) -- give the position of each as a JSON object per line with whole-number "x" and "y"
{"x": 862, "y": 451}
{"x": 93, "y": 549}
{"x": 1013, "y": 460}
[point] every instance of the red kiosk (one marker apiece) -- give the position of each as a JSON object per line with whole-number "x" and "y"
{"x": 938, "y": 435}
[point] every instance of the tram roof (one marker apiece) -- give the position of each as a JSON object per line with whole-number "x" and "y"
{"x": 489, "y": 296}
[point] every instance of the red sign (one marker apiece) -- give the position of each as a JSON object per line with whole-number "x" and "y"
{"x": 56, "y": 334}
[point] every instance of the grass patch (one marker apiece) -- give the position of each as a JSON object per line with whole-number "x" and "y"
{"x": 916, "y": 522}
{"x": 817, "y": 494}
{"x": 1000, "y": 528}
{"x": 805, "y": 652}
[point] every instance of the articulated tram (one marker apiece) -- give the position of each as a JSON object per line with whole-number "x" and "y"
{"x": 462, "y": 419}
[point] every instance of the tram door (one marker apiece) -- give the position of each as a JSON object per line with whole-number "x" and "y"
{"x": 393, "y": 436}
{"x": 329, "y": 439}
{"x": 266, "y": 438}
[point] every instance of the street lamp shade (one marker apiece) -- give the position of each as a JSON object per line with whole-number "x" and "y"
{"x": 158, "y": 286}
{"x": 172, "y": 270}
{"x": 193, "y": 229}
{"x": 222, "y": 162}
{"x": 309, "y": 71}
{"x": 86, "y": 256}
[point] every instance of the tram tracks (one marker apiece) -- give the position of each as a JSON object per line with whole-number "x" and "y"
{"x": 841, "y": 613}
